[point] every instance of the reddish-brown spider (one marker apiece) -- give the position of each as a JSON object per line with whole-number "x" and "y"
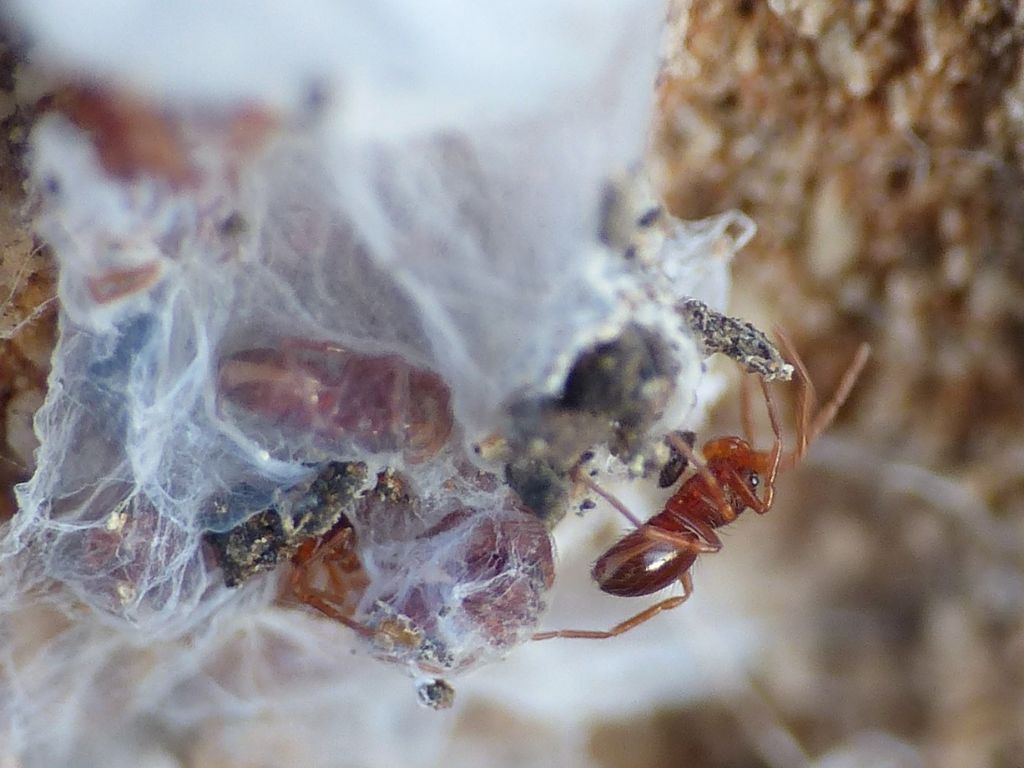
{"x": 328, "y": 576}
{"x": 443, "y": 596}
{"x": 662, "y": 550}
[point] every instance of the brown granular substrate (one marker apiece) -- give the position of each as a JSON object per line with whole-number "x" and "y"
{"x": 878, "y": 145}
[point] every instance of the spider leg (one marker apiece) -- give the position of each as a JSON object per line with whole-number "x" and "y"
{"x": 298, "y": 580}
{"x": 321, "y": 601}
{"x": 336, "y": 579}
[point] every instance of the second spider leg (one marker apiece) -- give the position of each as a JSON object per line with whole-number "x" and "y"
{"x": 321, "y": 601}
{"x": 336, "y": 580}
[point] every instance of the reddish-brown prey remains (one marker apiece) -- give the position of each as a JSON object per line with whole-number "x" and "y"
{"x": 726, "y": 482}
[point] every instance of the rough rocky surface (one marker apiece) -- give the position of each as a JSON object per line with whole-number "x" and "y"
{"x": 27, "y": 290}
{"x": 879, "y": 146}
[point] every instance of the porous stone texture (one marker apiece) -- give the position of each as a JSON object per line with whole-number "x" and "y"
{"x": 878, "y": 146}
{"x": 27, "y": 291}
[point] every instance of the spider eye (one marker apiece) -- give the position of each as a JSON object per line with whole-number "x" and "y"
{"x": 754, "y": 480}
